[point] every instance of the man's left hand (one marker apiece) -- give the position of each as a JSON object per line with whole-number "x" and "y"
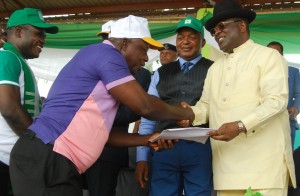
{"x": 160, "y": 145}
{"x": 226, "y": 132}
{"x": 293, "y": 111}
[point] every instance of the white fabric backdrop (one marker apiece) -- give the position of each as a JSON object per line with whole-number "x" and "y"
{"x": 51, "y": 61}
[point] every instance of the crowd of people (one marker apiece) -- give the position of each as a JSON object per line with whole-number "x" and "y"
{"x": 78, "y": 136}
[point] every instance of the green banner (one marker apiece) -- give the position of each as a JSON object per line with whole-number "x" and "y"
{"x": 282, "y": 27}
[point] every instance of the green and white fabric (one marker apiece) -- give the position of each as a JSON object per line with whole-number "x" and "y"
{"x": 15, "y": 71}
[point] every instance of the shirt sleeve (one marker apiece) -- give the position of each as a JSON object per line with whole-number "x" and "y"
{"x": 147, "y": 126}
{"x": 10, "y": 68}
{"x": 114, "y": 68}
{"x": 296, "y": 95}
{"x": 274, "y": 93}
{"x": 126, "y": 115}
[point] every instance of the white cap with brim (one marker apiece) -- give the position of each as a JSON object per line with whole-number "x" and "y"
{"x": 134, "y": 27}
{"x": 105, "y": 29}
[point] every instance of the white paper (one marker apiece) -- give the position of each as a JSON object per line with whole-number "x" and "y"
{"x": 196, "y": 134}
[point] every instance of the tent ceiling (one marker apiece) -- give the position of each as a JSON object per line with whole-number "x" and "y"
{"x": 155, "y": 10}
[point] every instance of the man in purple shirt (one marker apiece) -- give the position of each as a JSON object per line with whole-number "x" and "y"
{"x": 77, "y": 116}
{"x": 102, "y": 177}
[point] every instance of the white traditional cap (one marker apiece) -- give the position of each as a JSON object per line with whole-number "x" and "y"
{"x": 134, "y": 27}
{"x": 105, "y": 29}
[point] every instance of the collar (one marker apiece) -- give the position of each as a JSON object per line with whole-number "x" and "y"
{"x": 194, "y": 61}
{"x": 108, "y": 43}
{"x": 243, "y": 46}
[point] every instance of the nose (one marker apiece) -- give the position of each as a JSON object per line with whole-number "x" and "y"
{"x": 186, "y": 40}
{"x": 146, "y": 59}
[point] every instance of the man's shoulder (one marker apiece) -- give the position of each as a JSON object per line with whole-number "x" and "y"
{"x": 143, "y": 76}
{"x": 171, "y": 63}
{"x": 206, "y": 61}
{"x": 144, "y": 72}
{"x": 7, "y": 54}
{"x": 293, "y": 69}
{"x": 168, "y": 66}
{"x": 258, "y": 48}
{"x": 8, "y": 57}
{"x": 100, "y": 47}
{"x": 103, "y": 53}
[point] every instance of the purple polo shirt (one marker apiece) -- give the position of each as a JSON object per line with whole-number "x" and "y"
{"x": 79, "y": 111}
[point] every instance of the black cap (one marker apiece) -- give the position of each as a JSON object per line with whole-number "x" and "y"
{"x": 168, "y": 46}
{"x": 228, "y": 9}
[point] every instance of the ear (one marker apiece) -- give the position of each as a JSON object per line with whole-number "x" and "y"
{"x": 18, "y": 31}
{"x": 243, "y": 26}
{"x": 203, "y": 42}
{"x": 124, "y": 44}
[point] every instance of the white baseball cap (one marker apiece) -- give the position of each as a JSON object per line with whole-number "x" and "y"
{"x": 105, "y": 29}
{"x": 134, "y": 27}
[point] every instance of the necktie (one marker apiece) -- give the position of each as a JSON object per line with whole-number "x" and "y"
{"x": 186, "y": 66}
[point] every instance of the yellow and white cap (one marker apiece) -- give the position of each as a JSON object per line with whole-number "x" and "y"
{"x": 105, "y": 29}
{"x": 134, "y": 27}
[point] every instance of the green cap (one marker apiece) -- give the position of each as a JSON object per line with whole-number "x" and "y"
{"x": 32, "y": 17}
{"x": 191, "y": 22}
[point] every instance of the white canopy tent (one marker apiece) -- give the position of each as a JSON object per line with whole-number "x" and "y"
{"x": 51, "y": 61}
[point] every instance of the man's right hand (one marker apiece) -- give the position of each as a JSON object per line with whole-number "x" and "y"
{"x": 191, "y": 115}
{"x": 186, "y": 123}
{"x": 141, "y": 173}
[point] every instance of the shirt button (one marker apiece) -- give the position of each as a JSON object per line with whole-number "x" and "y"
{"x": 224, "y": 99}
{"x": 227, "y": 84}
{"x": 253, "y": 131}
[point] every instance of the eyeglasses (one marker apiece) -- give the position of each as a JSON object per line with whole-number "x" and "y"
{"x": 221, "y": 26}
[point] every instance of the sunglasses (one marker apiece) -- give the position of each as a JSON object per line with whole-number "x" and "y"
{"x": 221, "y": 26}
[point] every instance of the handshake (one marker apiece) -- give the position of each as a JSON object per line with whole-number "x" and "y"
{"x": 161, "y": 144}
{"x": 184, "y": 123}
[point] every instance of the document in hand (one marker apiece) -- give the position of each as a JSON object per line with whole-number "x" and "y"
{"x": 196, "y": 134}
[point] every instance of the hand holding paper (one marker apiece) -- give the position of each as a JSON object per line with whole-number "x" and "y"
{"x": 160, "y": 144}
{"x": 196, "y": 134}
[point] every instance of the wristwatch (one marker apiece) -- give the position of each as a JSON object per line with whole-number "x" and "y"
{"x": 241, "y": 126}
